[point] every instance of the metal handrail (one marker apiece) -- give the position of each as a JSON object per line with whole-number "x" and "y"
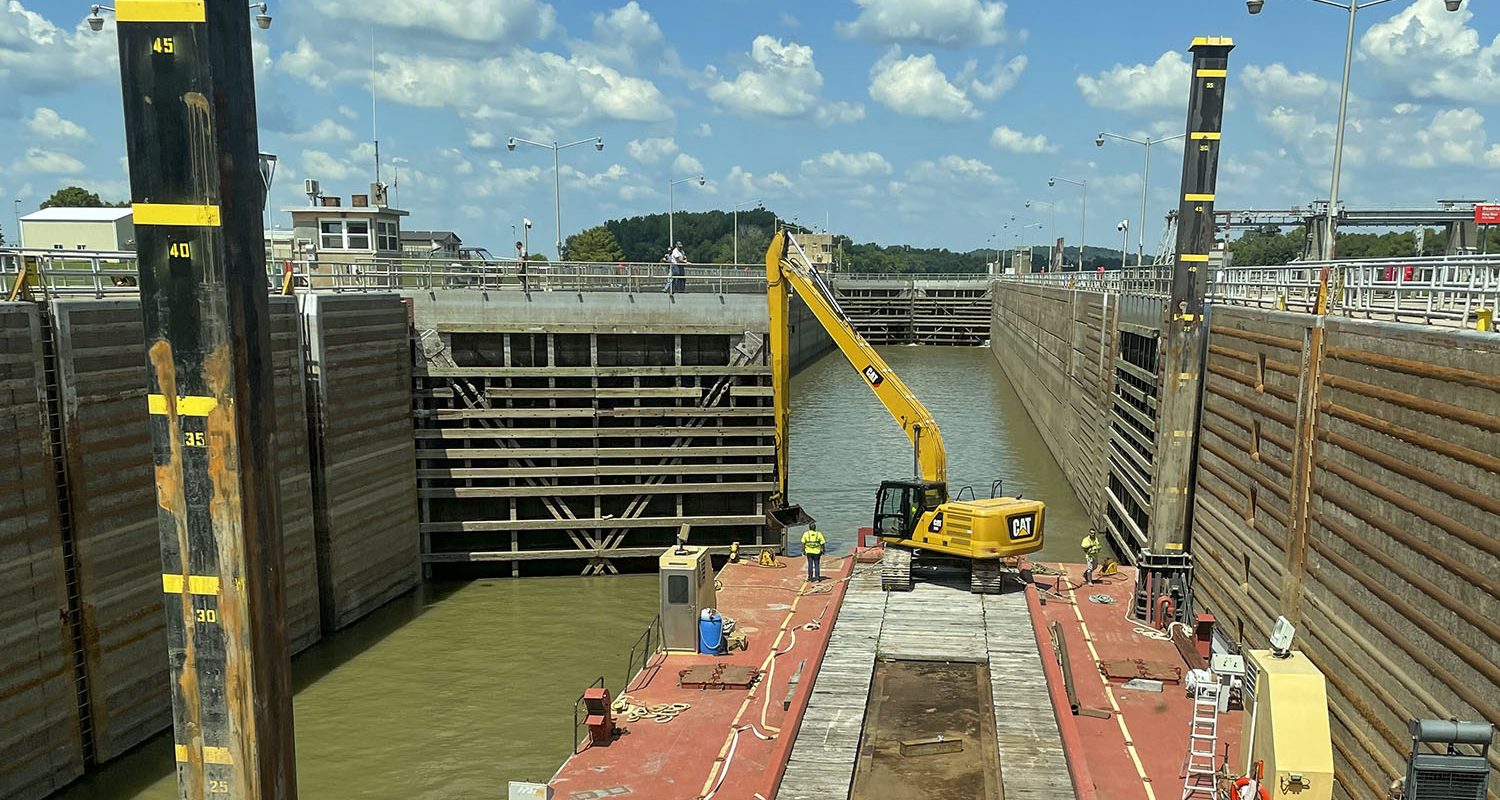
{"x": 1442, "y": 290}
{"x": 646, "y": 646}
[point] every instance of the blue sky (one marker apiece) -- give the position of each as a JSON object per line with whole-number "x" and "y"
{"x": 929, "y": 122}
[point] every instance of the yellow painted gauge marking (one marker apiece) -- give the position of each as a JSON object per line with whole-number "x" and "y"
{"x": 186, "y": 406}
{"x": 172, "y": 583}
{"x": 176, "y": 214}
{"x": 160, "y": 11}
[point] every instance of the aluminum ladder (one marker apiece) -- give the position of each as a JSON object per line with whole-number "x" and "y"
{"x": 1200, "y": 778}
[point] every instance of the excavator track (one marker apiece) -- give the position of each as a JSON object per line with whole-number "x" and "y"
{"x": 895, "y": 569}
{"x": 987, "y": 577}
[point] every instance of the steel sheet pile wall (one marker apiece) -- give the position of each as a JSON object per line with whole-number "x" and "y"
{"x": 586, "y": 447}
{"x": 112, "y": 508}
{"x": 365, "y": 482}
{"x": 1057, "y": 348}
{"x": 1390, "y": 556}
{"x": 294, "y": 465}
{"x": 41, "y": 745}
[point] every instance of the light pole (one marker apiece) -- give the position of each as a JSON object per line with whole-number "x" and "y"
{"x": 1124, "y": 228}
{"x": 1022, "y": 233}
{"x": 1140, "y": 235}
{"x": 1353, "y": 7}
{"x": 737, "y": 208}
{"x": 672, "y": 206}
{"x": 18, "y": 222}
{"x": 556, "y": 182}
{"x": 1083, "y": 211}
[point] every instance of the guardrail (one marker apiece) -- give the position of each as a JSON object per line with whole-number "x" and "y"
{"x": 646, "y": 646}
{"x": 100, "y": 274}
{"x": 1448, "y": 290}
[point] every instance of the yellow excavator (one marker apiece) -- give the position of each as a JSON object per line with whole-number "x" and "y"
{"x": 914, "y": 515}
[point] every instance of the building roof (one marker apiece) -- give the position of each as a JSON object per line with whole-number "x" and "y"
{"x": 333, "y": 211}
{"x": 446, "y": 237}
{"x": 62, "y": 214}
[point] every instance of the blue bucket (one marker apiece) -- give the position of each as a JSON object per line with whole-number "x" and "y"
{"x": 711, "y": 635}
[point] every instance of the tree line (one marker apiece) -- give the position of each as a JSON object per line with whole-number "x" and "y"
{"x": 1274, "y": 247}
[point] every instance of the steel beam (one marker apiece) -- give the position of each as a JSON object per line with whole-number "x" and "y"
{"x": 1181, "y": 352}
{"x": 189, "y": 103}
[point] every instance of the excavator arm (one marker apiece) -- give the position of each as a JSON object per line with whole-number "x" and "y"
{"x": 788, "y": 269}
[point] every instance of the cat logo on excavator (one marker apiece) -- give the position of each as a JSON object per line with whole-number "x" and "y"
{"x": 873, "y": 376}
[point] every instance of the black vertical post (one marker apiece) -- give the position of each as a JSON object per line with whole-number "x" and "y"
{"x": 1182, "y": 324}
{"x": 189, "y": 97}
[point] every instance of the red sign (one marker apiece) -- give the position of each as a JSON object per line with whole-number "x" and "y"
{"x": 1487, "y": 215}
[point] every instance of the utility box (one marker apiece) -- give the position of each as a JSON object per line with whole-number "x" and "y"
{"x": 687, "y": 587}
{"x": 1288, "y": 727}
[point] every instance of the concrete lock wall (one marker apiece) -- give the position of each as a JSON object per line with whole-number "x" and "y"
{"x": 360, "y": 401}
{"x": 110, "y": 505}
{"x": 1057, "y": 347}
{"x": 41, "y": 744}
{"x": 1387, "y": 555}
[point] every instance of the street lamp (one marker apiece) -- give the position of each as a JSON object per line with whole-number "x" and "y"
{"x": 1051, "y": 224}
{"x": 737, "y": 208}
{"x": 1083, "y": 211}
{"x": 672, "y": 206}
{"x": 96, "y": 21}
{"x": 1022, "y": 235}
{"x": 1124, "y": 229}
{"x": 1140, "y": 235}
{"x": 556, "y": 184}
{"x": 1353, "y": 7}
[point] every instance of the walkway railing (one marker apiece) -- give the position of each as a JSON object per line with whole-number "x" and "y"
{"x": 1434, "y": 291}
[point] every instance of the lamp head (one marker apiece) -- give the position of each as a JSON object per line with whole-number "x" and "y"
{"x": 510, "y": 144}
{"x": 1254, "y": 6}
{"x": 1123, "y": 226}
{"x": 599, "y": 144}
{"x": 96, "y": 22}
{"x": 1028, "y": 204}
{"x": 1452, "y": 5}
{"x": 263, "y": 21}
{"x": 701, "y": 180}
{"x": 1099, "y": 140}
{"x": 1051, "y": 182}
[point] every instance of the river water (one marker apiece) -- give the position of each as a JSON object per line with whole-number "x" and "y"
{"x": 457, "y": 690}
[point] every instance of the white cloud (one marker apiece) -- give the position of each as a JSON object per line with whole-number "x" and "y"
{"x": 782, "y": 81}
{"x": 522, "y": 82}
{"x": 704, "y": 129}
{"x": 325, "y": 167}
{"x": 788, "y": 21}
{"x": 348, "y": 113}
{"x": 627, "y": 36}
{"x": 306, "y": 63}
{"x": 37, "y": 57}
{"x": 492, "y": 22}
{"x": 854, "y": 165}
{"x": 1433, "y": 53}
{"x": 1278, "y": 84}
{"x": 1139, "y": 87}
{"x": 940, "y": 23}
{"x": 1000, "y": 79}
{"x": 455, "y": 161}
{"x": 686, "y": 165}
{"x": 1016, "y": 142}
{"x": 951, "y": 168}
{"x": 1455, "y": 136}
{"x": 49, "y": 124}
{"x": 916, "y": 87}
{"x": 323, "y": 132}
{"x": 652, "y": 150}
{"x": 48, "y": 162}
{"x": 482, "y": 140}
{"x": 742, "y": 183}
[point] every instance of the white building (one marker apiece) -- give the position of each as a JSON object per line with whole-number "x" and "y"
{"x": 78, "y": 229}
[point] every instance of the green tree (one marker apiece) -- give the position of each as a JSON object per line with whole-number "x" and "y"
{"x": 593, "y": 244}
{"x": 73, "y": 197}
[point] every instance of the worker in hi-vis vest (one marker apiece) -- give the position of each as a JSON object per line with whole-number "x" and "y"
{"x": 812, "y": 550}
{"x": 1091, "y": 547}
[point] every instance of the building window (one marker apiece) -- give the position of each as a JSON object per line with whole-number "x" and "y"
{"x": 344, "y": 234}
{"x": 388, "y": 238}
{"x": 57, "y": 247}
{"x": 83, "y": 247}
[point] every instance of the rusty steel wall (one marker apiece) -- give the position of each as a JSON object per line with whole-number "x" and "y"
{"x": 1382, "y": 544}
{"x": 365, "y": 483}
{"x": 41, "y": 743}
{"x": 294, "y": 466}
{"x": 1057, "y": 347}
{"x": 107, "y": 442}
{"x": 112, "y": 503}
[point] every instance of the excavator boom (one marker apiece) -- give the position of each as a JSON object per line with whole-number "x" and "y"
{"x": 788, "y": 269}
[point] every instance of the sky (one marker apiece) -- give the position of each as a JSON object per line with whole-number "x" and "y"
{"x": 923, "y": 122}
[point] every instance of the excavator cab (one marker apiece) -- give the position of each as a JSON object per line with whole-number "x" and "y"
{"x": 901, "y": 505}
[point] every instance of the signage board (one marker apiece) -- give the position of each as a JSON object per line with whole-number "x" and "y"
{"x": 1487, "y": 215}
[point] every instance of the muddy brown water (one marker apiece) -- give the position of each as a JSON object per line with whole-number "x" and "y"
{"x": 455, "y": 691}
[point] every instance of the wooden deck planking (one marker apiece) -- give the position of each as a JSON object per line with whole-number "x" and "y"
{"x": 931, "y": 622}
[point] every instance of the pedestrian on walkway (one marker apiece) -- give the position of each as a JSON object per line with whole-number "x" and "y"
{"x": 676, "y": 259}
{"x": 521, "y": 257}
{"x": 812, "y": 550}
{"x": 1091, "y": 548}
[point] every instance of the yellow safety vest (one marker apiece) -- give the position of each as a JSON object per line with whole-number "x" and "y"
{"x": 812, "y": 542}
{"x": 1092, "y": 546}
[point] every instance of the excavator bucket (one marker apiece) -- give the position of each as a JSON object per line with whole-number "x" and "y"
{"x": 782, "y": 518}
